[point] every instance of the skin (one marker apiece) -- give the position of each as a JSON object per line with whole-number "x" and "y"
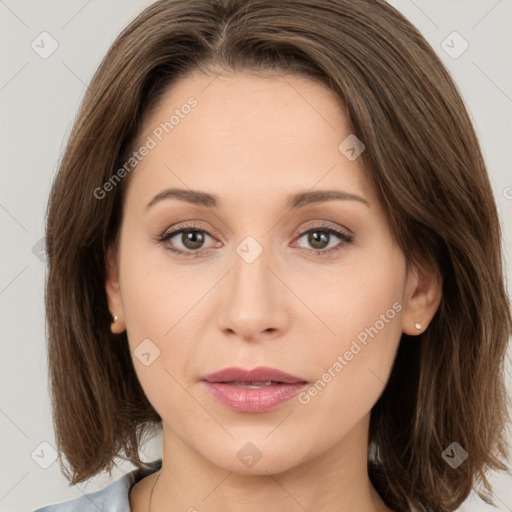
{"x": 253, "y": 140}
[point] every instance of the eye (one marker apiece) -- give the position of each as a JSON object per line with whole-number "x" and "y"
{"x": 320, "y": 237}
{"x": 192, "y": 239}
{"x": 190, "y": 236}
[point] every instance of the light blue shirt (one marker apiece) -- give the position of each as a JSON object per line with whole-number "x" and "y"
{"x": 114, "y": 498}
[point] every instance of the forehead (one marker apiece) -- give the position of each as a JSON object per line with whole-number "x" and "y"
{"x": 248, "y": 133}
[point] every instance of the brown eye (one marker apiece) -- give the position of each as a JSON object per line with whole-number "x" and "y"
{"x": 192, "y": 239}
{"x": 320, "y": 237}
{"x": 186, "y": 240}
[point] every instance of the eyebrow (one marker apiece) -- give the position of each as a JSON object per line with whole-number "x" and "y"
{"x": 295, "y": 201}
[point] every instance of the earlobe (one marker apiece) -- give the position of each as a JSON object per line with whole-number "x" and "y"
{"x": 113, "y": 292}
{"x": 423, "y": 292}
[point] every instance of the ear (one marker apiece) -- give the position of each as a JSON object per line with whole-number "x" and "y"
{"x": 113, "y": 291}
{"x": 423, "y": 291}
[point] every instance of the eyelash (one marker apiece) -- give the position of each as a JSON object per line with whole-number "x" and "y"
{"x": 344, "y": 237}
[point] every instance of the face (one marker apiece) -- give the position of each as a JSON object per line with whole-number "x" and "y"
{"x": 318, "y": 290}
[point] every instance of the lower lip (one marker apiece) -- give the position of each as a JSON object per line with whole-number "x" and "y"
{"x": 263, "y": 399}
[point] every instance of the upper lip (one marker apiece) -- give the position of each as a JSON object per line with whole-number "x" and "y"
{"x": 259, "y": 374}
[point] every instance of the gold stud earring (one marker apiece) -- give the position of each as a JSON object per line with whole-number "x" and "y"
{"x": 116, "y": 326}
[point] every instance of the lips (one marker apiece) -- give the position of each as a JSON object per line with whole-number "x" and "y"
{"x": 262, "y": 374}
{"x": 253, "y": 391}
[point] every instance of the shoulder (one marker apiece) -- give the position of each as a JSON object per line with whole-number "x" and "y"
{"x": 114, "y": 497}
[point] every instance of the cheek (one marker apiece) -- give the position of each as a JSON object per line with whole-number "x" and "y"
{"x": 157, "y": 301}
{"x": 153, "y": 303}
{"x": 360, "y": 307}
{"x": 157, "y": 294}
{"x": 362, "y": 293}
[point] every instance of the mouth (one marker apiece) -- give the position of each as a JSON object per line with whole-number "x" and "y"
{"x": 252, "y": 385}
{"x": 258, "y": 390}
{"x": 260, "y": 376}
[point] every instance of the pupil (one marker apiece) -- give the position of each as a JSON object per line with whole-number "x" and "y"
{"x": 193, "y": 239}
{"x": 318, "y": 239}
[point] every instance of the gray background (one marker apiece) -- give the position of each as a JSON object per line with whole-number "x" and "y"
{"x": 39, "y": 98}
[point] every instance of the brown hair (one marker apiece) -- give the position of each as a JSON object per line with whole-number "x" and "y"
{"x": 424, "y": 160}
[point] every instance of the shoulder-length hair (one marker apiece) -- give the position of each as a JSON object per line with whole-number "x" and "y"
{"x": 424, "y": 160}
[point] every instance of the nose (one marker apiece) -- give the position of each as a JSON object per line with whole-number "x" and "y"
{"x": 253, "y": 304}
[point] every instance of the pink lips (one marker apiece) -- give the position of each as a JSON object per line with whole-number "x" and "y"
{"x": 259, "y": 390}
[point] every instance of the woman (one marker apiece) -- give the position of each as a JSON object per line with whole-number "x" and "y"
{"x": 272, "y": 235}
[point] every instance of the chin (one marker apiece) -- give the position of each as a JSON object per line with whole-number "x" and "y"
{"x": 254, "y": 458}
